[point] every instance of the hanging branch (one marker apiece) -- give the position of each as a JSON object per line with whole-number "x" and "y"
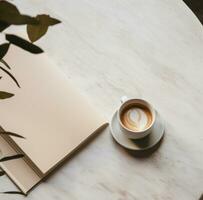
{"x": 5, "y": 63}
{"x": 36, "y": 28}
{"x": 11, "y": 76}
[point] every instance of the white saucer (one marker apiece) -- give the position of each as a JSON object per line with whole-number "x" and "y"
{"x": 143, "y": 144}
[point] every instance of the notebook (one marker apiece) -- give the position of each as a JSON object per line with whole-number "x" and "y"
{"x": 48, "y": 111}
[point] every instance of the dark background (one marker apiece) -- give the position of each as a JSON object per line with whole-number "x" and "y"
{"x": 197, "y": 7}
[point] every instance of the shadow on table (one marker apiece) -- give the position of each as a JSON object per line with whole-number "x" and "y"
{"x": 197, "y": 7}
{"x": 141, "y": 154}
{"x": 146, "y": 153}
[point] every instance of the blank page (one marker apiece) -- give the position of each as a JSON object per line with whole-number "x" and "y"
{"x": 47, "y": 109}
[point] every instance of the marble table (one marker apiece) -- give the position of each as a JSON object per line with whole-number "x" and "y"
{"x": 147, "y": 49}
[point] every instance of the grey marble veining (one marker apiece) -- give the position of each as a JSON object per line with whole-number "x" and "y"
{"x": 147, "y": 49}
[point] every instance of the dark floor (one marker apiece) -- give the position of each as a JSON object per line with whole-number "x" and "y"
{"x": 197, "y": 7}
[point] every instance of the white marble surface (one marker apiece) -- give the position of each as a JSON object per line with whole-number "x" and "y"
{"x": 148, "y": 49}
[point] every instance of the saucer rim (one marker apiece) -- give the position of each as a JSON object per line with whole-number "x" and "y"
{"x": 133, "y": 149}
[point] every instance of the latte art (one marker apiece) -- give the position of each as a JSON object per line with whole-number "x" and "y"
{"x": 136, "y": 118}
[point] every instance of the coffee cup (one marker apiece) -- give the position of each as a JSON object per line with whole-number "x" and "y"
{"x": 136, "y": 117}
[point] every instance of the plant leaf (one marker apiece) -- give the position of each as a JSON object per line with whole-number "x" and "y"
{"x": 53, "y": 21}
{"x": 11, "y": 76}
{"x": 3, "y": 49}
{"x": 11, "y": 134}
{"x": 24, "y": 44}
{"x": 37, "y": 31}
{"x": 2, "y": 173}
{"x": 3, "y": 26}
{"x": 5, "y": 63}
{"x": 5, "y": 95}
{"x": 7, "y": 158}
{"x": 13, "y": 192}
{"x": 47, "y": 20}
{"x": 10, "y": 15}
{"x": 20, "y": 20}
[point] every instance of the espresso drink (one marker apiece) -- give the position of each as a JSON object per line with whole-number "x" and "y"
{"x": 136, "y": 117}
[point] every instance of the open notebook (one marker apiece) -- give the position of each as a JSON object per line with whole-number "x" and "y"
{"x": 48, "y": 111}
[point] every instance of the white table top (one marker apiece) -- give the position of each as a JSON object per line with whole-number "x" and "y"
{"x": 145, "y": 49}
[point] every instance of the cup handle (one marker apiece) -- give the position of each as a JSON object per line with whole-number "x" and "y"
{"x": 124, "y": 99}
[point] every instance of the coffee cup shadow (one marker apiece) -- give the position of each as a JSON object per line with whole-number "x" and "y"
{"x": 141, "y": 143}
{"x": 145, "y": 153}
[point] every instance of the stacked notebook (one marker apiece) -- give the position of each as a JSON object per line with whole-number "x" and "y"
{"x": 48, "y": 111}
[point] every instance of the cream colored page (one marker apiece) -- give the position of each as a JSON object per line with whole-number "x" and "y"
{"x": 47, "y": 110}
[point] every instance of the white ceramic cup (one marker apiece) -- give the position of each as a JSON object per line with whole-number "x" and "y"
{"x": 132, "y": 134}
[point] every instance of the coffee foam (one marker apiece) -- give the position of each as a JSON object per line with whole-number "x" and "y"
{"x": 136, "y": 118}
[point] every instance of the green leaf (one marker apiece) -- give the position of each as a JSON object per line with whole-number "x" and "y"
{"x": 47, "y": 20}
{"x": 11, "y": 76}
{"x": 11, "y": 134}
{"x": 5, "y": 63}
{"x": 3, "y": 26}
{"x": 37, "y": 31}
{"x": 8, "y": 9}
{"x": 24, "y": 44}
{"x": 53, "y": 21}
{"x": 3, "y": 49}
{"x": 22, "y": 20}
{"x": 10, "y": 15}
{"x": 5, "y": 95}
{"x": 7, "y": 158}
